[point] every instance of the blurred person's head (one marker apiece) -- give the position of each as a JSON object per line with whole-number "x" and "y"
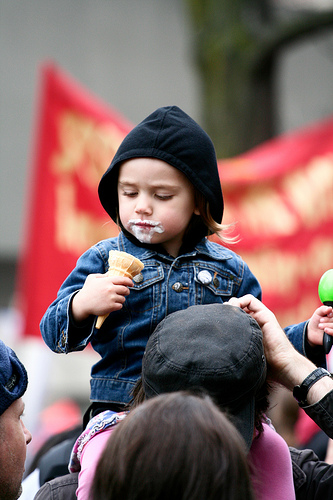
{"x": 14, "y": 436}
{"x": 178, "y": 446}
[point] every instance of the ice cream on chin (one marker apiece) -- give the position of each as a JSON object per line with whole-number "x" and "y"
{"x": 121, "y": 264}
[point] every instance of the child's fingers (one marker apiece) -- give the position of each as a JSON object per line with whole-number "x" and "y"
{"x": 118, "y": 280}
{"x": 122, "y": 290}
{"x": 326, "y": 327}
{"x": 324, "y": 311}
{"x": 325, "y": 322}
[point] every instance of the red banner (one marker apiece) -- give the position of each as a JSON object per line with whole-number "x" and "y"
{"x": 77, "y": 136}
{"x": 280, "y": 195}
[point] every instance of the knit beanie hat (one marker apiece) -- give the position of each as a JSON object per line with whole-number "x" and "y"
{"x": 170, "y": 135}
{"x": 13, "y": 377}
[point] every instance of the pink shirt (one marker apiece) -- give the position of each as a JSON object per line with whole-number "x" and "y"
{"x": 269, "y": 459}
{"x": 271, "y": 467}
{"x": 89, "y": 446}
{"x": 89, "y": 459}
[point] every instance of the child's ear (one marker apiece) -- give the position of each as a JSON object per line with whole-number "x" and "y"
{"x": 196, "y": 211}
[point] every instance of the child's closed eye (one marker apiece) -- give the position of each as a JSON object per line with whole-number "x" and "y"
{"x": 164, "y": 196}
{"x": 130, "y": 194}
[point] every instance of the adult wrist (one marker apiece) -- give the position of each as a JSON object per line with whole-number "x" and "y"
{"x": 301, "y": 392}
{"x": 295, "y": 370}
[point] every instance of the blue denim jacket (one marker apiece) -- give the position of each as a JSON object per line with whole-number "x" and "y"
{"x": 208, "y": 274}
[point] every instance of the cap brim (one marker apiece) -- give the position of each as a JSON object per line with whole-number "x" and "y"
{"x": 243, "y": 419}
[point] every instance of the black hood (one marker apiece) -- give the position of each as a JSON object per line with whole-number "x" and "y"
{"x": 170, "y": 135}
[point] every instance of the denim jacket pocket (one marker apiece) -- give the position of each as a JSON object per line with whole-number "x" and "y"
{"x": 214, "y": 283}
{"x": 146, "y": 293}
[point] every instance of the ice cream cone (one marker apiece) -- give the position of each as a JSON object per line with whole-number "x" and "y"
{"x": 121, "y": 264}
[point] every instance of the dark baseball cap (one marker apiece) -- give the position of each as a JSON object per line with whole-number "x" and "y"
{"x": 214, "y": 347}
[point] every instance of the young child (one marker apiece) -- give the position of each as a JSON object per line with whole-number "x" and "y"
{"x": 163, "y": 190}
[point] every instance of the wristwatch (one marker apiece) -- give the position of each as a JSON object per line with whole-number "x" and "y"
{"x": 300, "y": 392}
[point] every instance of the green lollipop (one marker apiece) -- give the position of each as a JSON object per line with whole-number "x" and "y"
{"x": 325, "y": 292}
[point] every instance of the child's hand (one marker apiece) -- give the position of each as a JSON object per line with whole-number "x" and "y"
{"x": 320, "y": 321}
{"x": 100, "y": 294}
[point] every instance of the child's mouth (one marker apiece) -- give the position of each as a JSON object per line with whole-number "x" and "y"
{"x": 144, "y": 225}
{"x": 144, "y": 230}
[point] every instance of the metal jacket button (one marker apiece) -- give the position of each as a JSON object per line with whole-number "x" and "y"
{"x": 138, "y": 278}
{"x": 177, "y": 287}
{"x": 216, "y": 282}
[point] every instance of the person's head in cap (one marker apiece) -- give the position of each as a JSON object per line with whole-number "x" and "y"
{"x": 14, "y": 436}
{"x": 215, "y": 347}
{"x": 166, "y": 162}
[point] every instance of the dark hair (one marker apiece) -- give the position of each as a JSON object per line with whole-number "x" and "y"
{"x": 261, "y": 402}
{"x": 177, "y": 445}
{"x": 208, "y": 225}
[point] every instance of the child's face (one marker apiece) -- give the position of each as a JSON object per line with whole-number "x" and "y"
{"x": 156, "y": 202}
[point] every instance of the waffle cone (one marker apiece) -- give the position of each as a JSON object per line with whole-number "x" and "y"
{"x": 121, "y": 264}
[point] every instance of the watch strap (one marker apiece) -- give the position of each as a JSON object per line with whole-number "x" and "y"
{"x": 300, "y": 392}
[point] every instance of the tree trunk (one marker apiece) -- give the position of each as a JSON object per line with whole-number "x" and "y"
{"x": 236, "y": 44}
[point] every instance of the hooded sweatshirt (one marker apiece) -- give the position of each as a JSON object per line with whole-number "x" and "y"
{"x": 170, "y": 135}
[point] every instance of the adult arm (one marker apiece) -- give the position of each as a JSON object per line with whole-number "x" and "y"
{"x": 60, "y": 488}
{"x": 313, "y": 479}
{"x": 287, "y": 366}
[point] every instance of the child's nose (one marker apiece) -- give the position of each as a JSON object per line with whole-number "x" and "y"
{"x": 143, "y": 205}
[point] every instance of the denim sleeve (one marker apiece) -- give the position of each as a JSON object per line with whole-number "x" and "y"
{"x": 249, "y": 283}
{"x": 297, "y": 336}
{"x": 58, "y": 329}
